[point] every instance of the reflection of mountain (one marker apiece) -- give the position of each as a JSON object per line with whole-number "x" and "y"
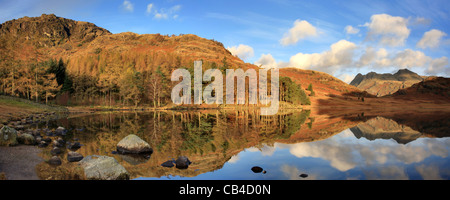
{"x": 382, "y": 128}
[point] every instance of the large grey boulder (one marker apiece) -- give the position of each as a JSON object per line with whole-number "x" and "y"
{"x": 103, "y": 168}
{"x": 8, "y": 136}
{"x": 133, "y": 144}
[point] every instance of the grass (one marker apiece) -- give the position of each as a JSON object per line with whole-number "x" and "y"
{"x": 13, "y": 108}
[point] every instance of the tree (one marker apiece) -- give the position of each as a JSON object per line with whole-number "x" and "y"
{"x": 50, "y": 86}
{"x": 131, "y": 86}
{"x": 310, "y": 88}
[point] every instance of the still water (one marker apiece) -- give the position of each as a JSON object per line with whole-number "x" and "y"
{"x": 293, "y": 145}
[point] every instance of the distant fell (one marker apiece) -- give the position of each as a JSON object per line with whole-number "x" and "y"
{"x": 385, "y": 84}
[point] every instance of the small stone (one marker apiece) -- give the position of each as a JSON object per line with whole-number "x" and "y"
{"x": 55, "y": 151}
{"x": 74, "y": 146}
{"x": 257, "y": 169}
{"x": 55, "y": 160}
{"x": 168, "y": 163}
{"x": 43, "y": 144}
{"x": 74, "y": 156}
{"x": 182, "y": 162}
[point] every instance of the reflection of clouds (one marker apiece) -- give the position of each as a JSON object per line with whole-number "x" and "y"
{"x": 345, "y": 153}
{"x": 292, "y": 173}
{"x": 430, "y": 172}
{"x": 391, "y": 172}
{"x": 234, "y": 159}
{"x": 340, "y": 157}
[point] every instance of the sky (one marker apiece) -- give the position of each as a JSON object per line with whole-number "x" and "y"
{"x": 341, "y": 38}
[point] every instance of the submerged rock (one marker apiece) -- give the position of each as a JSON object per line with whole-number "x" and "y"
{"x": 103, "y": 168}
{"x": 257, "y": 169}
{"x": 303, "y": 175}
{"x": 182, "y": 162}
{"x": 8, "y": 136}
{"x": 169, "y": 163}
{"x": 133, "y": 144}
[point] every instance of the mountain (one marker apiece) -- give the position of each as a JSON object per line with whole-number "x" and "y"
{"x": 385, "y": 84}
{"x": 431, "y": 88}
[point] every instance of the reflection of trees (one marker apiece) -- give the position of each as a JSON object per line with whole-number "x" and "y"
{"x": 208, "y": 138}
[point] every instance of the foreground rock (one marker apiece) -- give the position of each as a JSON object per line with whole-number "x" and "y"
{"x": 103, "y": 168}
{"x": 133, "y": 144}
{"x": 8, "y": 136}
{"x": 26, "y": 138}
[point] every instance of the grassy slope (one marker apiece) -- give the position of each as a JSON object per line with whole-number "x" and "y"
{"x": 12, "y": 108}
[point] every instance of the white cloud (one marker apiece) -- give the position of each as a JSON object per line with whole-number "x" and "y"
{"x": 431, "y": 39}
{"x": 388, "y": 30}
{"x": 351, "y": 30}
{"x": 347, "y": 78}
{"x": 267, "y": 61}
{"x": 149, "y": 8}
{"x": 163, "y": 13}
{"x": 301, "y": 30}
{"x": 407, "y": 58}
{"x": 439, "y": 65}
{"x": 340, "y": 54}
{"x": 242, "y": 51}
{"x": 127, "y": 6}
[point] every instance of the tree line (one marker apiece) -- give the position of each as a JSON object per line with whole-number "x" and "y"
{"x": 114, "y": 85}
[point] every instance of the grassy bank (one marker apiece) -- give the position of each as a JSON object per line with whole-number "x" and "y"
{"x": 13, "y": 108}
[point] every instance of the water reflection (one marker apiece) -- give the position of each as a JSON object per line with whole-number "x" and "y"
{"x": 227, "y": 144}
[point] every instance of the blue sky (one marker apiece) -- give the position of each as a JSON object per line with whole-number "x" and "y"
{"x": 342, "y": 38}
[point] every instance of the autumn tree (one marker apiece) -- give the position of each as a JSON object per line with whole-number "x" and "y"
{"x": 131, "y": 86}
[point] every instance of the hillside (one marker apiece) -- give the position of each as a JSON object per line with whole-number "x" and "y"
{"x": 430, "y": 88}
{"x": 385, "y": 84}
{"x": 98, "y": 67}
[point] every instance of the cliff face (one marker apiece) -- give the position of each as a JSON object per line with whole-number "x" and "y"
{"x": 385, "y": 84}
{"x": 48, "y": 31}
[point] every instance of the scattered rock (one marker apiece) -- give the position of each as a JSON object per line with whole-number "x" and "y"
{"x": 182, "y": 162}
{"x": 103, "y": 168}
{"x": 59, "y": 142}
{"x": 8, "y": 136}
{"x": 257, "y": 169}
{"x": 55, "y": 160}
{"x": 74, "y": 146}
{"x": 43, "y": 144}
{"x": 48, "y": 140}
{"x": 133, "y": 144}
{"x": 74, "y": 156}
{"x": 55, "y": 151}
{"x": 169, "y": 163}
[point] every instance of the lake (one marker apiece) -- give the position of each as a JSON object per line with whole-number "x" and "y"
{"x": 295, "y": 144}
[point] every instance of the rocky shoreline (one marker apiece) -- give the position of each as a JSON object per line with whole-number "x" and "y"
{"x": 22, "y": 141}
